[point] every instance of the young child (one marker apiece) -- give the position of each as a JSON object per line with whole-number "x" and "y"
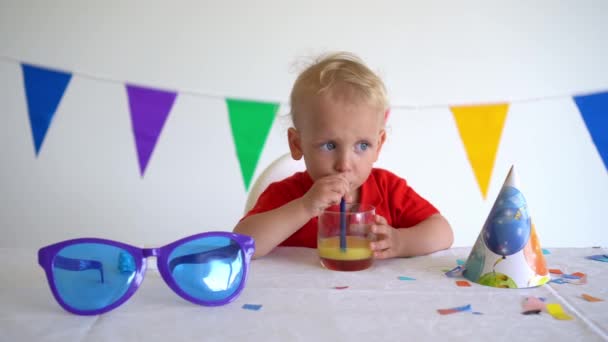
{"x": 338, "y": 108}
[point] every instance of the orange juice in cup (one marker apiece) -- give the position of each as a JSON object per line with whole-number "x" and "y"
{"x": 354, "y": 254}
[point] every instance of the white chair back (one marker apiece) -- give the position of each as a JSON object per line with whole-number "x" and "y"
{"x": 279, "y": 169}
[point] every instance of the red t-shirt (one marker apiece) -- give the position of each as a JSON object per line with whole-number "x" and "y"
{"x": 389, "y": 194}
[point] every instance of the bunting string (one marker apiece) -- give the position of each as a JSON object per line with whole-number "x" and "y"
{"x": 85, "y": 75}
{"x": 212, "y": 95}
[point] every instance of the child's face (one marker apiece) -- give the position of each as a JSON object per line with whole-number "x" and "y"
{"x": 338, "y": 136}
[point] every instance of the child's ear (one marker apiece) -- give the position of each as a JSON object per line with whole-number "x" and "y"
{"x": 381, "y": 140}
{"x": 295, "y": 144}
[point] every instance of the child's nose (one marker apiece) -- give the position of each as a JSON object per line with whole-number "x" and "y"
{"x": 343, "y": 162}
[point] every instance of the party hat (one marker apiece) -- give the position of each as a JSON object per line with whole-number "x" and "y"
{"x": 507, "y": 252}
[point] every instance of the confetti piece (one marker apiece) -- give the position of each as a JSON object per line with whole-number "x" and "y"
{"x": 254, "y": 307}
{"x": 533, "y": 304}
{"x": 555, "y": 271}
{"x": 546, "y": 251}
{"x": 570, "y": 276}
{"x": 476, "y": 313}
{"x": 590, "y": 298}
{"x": 557, "y": 312}
{"x": 340, "y": 287}
{"x": 577, "y": 278}
{"x": 463, "y": 283}
{"x": 599, "y": 257}
{"x": 459, "y": 262}
{"x": 581, "y": 281}
{"x": 454, "y": 310}
{"x": 455, "y": 272}
{"x": 406, "y": 278}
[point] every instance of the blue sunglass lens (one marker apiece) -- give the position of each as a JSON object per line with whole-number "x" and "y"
{"x": 92, "y": 276}
{"x": 209, "y": 269}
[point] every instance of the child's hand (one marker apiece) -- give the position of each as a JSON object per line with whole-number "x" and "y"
{"x": 325, "y": 192}
{"x": 387, "y": 242}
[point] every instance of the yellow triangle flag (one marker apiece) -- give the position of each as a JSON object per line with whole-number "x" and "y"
{"x": 480, "y": 128}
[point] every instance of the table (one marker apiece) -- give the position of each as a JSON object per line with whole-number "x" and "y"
{"x": 300, "y": 302}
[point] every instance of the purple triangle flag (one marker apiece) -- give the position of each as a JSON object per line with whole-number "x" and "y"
{"x": 594, "y": 110}
{"x": 149, "y": 110}
{"x": 44, "y": 89}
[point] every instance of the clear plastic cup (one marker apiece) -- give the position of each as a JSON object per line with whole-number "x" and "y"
{"x": 355, "y": 254}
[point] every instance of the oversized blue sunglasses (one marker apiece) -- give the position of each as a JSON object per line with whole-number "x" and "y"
{"x": 90, "y": 276}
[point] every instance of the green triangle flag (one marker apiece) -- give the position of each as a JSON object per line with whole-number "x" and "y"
{"x": 250, "y": 121}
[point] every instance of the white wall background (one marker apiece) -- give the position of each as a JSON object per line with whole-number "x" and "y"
{"x": 432, "y": 54}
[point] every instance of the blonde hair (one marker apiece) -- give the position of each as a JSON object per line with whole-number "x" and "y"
{"x": 338, "y": 74}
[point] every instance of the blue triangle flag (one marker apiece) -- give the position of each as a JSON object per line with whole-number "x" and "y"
{"x": 594, "y": 110}
{"x": 43, "y": 89}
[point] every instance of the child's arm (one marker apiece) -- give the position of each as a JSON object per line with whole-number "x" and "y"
{"x": 431, "y": 235}
{"x": 272, "y": 227}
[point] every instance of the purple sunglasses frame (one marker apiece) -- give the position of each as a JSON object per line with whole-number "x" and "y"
{"x": 47, "y": 254}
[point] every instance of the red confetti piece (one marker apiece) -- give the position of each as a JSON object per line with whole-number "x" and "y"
{"x": 463, "y": 283}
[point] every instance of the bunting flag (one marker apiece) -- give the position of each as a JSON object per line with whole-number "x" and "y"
{"x": 480, "y": 129}
{"x": 480, "y": 126}
{"x": 594, "y": 110}
{"x": 149, "y": 110}
{"x": 250, "y": 121}
{"x": 44, "y": 89}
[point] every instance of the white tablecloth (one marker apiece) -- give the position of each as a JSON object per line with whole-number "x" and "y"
{"x": 299, "y": 302}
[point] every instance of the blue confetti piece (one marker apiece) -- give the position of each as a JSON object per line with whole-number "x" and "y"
{"x": 476, "y": 313}
{"x": 455, "y": 272}
{"x": 464, "y": 308}
{"x": 126, "y": 262}
{"x": 546, "y": 251}
{"x": 406, "y": 278}
{"x": 558, "y": 281}
{"x": 460, "y": 262}
{"x": 599, "y": 257}
{"x": 254, "y": 307}
{"x": 454, "y": 310}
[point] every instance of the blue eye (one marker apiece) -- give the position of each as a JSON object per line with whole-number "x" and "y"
{"x": 328, "y": 146}
{"x": 362, "y": 146}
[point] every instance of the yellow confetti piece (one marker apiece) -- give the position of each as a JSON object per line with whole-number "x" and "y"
{"x": 558, "y": 312}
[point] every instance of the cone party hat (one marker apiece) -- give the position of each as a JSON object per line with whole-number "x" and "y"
{"x": 507, "y": 252}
